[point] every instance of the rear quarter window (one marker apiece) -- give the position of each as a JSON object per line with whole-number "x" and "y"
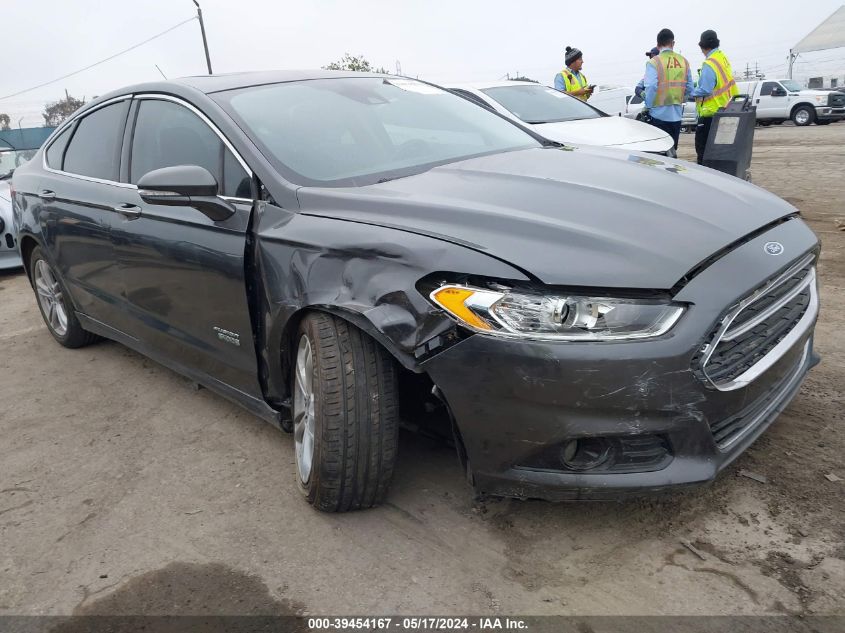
{"x": 56, "y": 151}
{"x": 94, "y": 149}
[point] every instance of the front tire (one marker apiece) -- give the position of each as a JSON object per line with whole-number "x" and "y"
{"x": 55, "y": 305}
{"x": 803, "y": 115}
{"x": 345, "y": 415}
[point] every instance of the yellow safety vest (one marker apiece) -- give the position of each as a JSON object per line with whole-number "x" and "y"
{"x": 672, "y": 70}
{"x": 725, "y": 88}
{"x": 573, "y": 82}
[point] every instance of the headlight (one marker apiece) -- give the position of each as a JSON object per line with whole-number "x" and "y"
{"x": 820, "y": 99}
{"x": 518, "y": 314}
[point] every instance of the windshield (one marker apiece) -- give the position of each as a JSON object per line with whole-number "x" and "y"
{"x": 362, "y": 130}
{"x": 791, "y": 86}
{"x": 11, "y": 159}
{"x": 538, "y": 104}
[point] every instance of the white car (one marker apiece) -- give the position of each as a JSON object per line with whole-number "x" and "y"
{"x": 689, "y": 118}
{"x": 559, "y": 117}
{"x": 9, "y": 255}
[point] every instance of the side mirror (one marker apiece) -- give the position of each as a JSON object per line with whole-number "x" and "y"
{"x": 185, "y": 186}
{"x": 777, "y": 91}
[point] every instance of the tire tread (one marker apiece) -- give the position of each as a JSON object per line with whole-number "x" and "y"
{"x": 358, "y": 410}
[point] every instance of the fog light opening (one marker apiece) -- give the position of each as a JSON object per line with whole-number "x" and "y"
{"x": 585, "y": 453}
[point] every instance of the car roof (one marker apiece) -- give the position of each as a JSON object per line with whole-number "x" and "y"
{"x": 209, "y": 84}
{"x": 483, "y": 85}
{"x": 231, "y": 81}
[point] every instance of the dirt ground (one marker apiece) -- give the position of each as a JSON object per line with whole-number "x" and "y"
{"x": 123, "y": 490}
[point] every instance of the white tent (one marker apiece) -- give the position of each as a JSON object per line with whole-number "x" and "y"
{"x": 829, "y": 34}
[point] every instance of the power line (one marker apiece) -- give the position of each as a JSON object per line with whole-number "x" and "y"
{"x": 102, "y": 61}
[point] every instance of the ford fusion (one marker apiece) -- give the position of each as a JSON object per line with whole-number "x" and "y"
{"x": 338, "y": 252}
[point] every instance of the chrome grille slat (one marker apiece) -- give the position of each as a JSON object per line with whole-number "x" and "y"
{"x": 737, "y": 330}
{"x": 761, "y": 328}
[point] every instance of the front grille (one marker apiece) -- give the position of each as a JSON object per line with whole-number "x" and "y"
{"x": 836, "y": 99}
{"x": 754, "y": 328}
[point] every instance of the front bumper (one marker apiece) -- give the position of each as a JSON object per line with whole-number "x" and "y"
{"x": 513, "y": 401}
{"x": 828, "y": 113}
{"x": 9, "y": 257}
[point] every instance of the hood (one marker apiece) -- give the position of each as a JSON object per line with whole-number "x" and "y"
{"x": 575, "y": 216}
{"x": 611, "y": 131}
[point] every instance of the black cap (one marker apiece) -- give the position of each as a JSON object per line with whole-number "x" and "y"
{"x": 709, "y": 39}
{"x": 572, "y": 54}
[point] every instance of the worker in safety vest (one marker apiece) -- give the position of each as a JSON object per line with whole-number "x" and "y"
{"x": 639, "y": 89}
{"x": 571, "y": 80}
{"x": 716, "y": 87}
{"x": 668, "y": 81}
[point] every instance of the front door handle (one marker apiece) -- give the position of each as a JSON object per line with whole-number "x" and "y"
{"x": 47, "y": 195}
{"x": 128, "y": 211}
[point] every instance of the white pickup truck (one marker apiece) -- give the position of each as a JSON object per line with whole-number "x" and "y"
{"x": 784, "y": 99}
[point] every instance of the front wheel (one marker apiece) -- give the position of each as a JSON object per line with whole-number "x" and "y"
{"x": 345, "y": 415}
{"x": 803, "y": 115}
{"x": 54, "y": 303}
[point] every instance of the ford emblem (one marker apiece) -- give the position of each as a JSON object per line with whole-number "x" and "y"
{"x": 773, "y": 248}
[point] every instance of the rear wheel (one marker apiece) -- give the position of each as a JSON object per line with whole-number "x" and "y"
{"x": 823, "y": 122}
{"x": 54, "y": 303}
{"x": 803, "y": 115}
{"x": 345, "y": 415}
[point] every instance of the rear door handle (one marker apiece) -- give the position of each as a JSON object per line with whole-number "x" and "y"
{"x": 128, "y": 211}
{"x": 47, "y": 195}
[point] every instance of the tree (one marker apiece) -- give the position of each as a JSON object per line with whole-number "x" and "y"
{"x": 4, "y": 122}
{"x": 55, "y": 113}
{"x": 519, "y": 78}
{"x": 355, "y": 63}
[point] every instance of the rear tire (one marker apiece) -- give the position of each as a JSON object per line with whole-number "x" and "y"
{"x": 55, "y": 305}
{"x": 803, "y": 115}
{"x": 824, "y": 122}
{"x": 345, "y": 413}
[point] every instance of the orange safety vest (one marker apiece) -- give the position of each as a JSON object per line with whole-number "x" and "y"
{"x": 672, "y": 71}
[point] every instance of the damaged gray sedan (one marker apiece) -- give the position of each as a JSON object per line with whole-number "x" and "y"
{"x": 337, "y": 251}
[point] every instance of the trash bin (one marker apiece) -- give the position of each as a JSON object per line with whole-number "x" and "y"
{"x": 731, "y": 139}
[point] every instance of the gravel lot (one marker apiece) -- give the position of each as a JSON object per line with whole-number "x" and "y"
{"x": 123, "y": 490}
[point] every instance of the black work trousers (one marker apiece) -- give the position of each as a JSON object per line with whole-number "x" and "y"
{"x": 672, "y": 128}
{"x": 702, "y": 131}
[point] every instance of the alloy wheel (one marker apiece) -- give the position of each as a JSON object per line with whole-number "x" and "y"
{"x": 51, "y": 298}
{"x": 802, "y": 117}
{"x": 303, "y": 409}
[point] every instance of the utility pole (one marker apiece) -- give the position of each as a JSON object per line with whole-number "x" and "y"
{"x": 792, "y": 58}
{"x": 204, "y": 40}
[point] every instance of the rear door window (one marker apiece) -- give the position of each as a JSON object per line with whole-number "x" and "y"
{"x": 169, "y": 134}
{"x": 94, "y": 149}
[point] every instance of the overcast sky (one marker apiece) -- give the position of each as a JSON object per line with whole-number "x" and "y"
{"x": 437, "y": 40}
